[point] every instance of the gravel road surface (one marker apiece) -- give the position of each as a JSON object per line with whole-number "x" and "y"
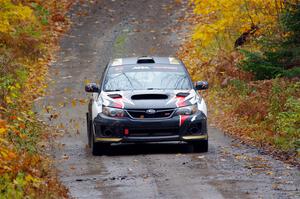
{"x": 113, "y": 28}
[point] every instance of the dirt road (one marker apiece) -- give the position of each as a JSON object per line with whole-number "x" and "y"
{"x": 114, "y": 28}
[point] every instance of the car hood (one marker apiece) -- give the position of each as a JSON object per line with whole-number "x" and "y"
{"x": 149, "y": 99}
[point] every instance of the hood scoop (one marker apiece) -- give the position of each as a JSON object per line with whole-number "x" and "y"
{"x": 149, "y": 97}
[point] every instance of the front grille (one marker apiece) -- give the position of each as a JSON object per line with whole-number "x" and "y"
{"x": 153, "y": 132}
{"x": 142, "y": 113}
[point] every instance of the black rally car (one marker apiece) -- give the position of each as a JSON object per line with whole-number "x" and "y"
{"x": 146, "y": 99}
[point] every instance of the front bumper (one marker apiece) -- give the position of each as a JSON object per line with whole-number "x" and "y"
{"x": 176, "y": 128}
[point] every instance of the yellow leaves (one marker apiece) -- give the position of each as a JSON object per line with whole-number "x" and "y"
{"x": 4, "y": 153}
{"x": 30, "y": 179}
{"x": 178, "y": 1}
{"x": 77, "y": 125}
{"x": 29, "y": 46}
{"x": 2, "y": 131}
{"x": 83, "y": 101}
{"x": 67, "y": 90}
{"x": 11, "y": 15}
{"x": 73, "y": 102}
{"x": 8, "y": 100}
{"x": 6, "y": 156}
{"x": 3, "y": 127}
{"x": 204, "y": 37}
{"x": 225, "y": 20}
{"x": 86, "y": 81}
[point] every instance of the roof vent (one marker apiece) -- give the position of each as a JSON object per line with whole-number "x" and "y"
{"x": 145, "y": 60}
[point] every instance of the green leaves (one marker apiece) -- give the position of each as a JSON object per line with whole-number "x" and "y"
{"x": 278, "y": 56}
{"x": 260, "y": 65}
{"x": 41, "y": 12}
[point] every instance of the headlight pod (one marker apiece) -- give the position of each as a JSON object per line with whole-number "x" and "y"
{"x": 187, "y": 110}
{"x": 112, "y": 112}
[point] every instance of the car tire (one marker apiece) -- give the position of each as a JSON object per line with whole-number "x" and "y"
{"x": 200, "y": 146}
{"x": 88, "y": 129}
{"x": 97, "y": 147}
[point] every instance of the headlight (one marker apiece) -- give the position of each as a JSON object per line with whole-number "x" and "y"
{"x": 112, "y": 112}
{"x": 187, "y": 110}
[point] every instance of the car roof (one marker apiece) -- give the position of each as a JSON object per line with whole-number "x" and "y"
{"x": 145, "y": 60}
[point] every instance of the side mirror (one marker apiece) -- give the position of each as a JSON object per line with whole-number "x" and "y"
{"x": 201, "y": 85}
{"x": 92, "y": 88}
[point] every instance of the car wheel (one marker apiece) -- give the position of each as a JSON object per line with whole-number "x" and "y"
{"x": 88, "y": 129}
{"x": 200, "y": 146}
{"x": 97, "y": 147}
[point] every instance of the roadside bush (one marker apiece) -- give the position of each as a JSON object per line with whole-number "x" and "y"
{"x": 27, "y": 37}
{"x": 284, "y": 114}
{"x": 249, "y": 53}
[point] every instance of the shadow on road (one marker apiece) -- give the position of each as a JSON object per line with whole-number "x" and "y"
{"x": 148, "y": 148}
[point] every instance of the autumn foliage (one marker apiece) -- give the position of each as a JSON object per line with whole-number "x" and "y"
{"x": 29, "y": 30}
{"x": 249, "y": 52}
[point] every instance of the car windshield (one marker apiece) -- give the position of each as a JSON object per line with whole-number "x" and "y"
{"x": 155, "y": 77}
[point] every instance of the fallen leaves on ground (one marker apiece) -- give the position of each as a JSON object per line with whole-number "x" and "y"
{"x": 29, "y": 31}
{"x": 259, "y": 112}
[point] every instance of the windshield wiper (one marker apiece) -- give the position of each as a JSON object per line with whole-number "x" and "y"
{"x": 155, "y": 89}
{"x": 112, "y": 90}
{"x": 132, "y": 88}
{"x": 159, "y": 89}
{"x": 180, "y": 81}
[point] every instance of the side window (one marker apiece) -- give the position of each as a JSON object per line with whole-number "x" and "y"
{"x": 103, "y": 76}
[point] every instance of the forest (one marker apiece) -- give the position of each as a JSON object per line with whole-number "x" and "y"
{"x": 248, "y": 51}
